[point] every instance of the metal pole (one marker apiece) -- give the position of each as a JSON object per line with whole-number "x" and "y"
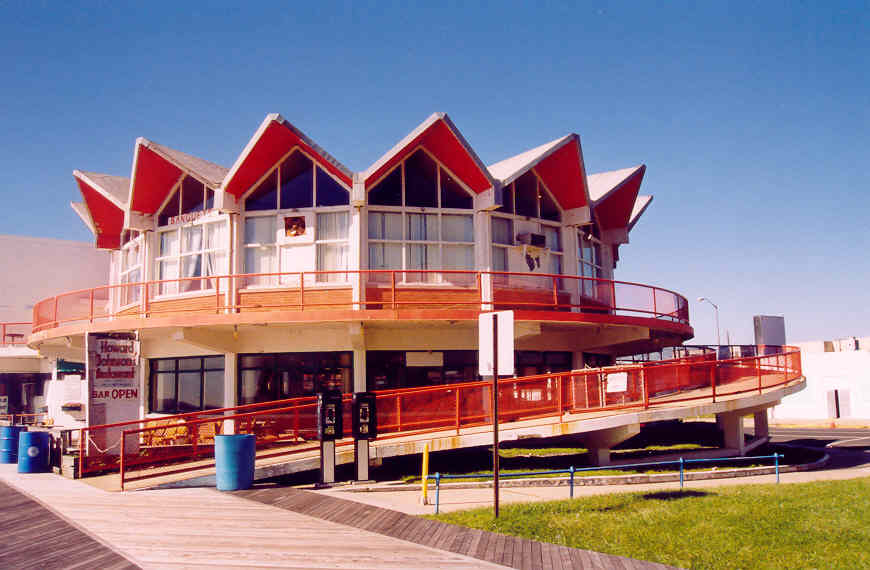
{"x": 572, "y": 481}
{"x": 437, "y": 491}
{"x": 776, "y": 464}
{"x": 495, "y": 412}
{"x": 681, "y": 473}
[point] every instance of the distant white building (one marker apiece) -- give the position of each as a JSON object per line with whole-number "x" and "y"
{"x": 34, "y": 268}
{"x": 838, "y": 382}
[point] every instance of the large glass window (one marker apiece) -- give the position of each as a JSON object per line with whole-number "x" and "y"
{"x": 131, "y": 266}
{"x": 589, "y": 258}
{"x": 426, "y": 228}
{"x": 188, "y": 197}
{"x": 188, "y": 252}
{"x": 267, "y": 377}
{"x": 296, "y": 184}
{"x": 180, "y": 385}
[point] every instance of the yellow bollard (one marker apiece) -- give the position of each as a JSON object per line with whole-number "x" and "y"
{"x": 425, "y": 498}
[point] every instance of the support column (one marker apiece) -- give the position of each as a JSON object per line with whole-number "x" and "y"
{"x": 230, "y": 391}
{"x": 761, "y": 426}
{"x": 600, "y": 442}
{"x": 361, "y": 446}
{"x": 732, "y": 430}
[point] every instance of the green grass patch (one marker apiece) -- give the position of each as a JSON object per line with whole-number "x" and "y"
{"x": 822, "y": 524}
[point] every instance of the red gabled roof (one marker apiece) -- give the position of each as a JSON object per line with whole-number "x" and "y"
{"x": 275, "y": 138}
{"x": 156, "y": 169}
{"x": 104, "y": 199}
{"x": 440, "y": 137}
{"x": 615, "y": 194}
{"x": 559, "y": 163}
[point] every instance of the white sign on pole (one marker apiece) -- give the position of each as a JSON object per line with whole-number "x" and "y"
{"x": 617, "y": 382}
{"x": 113, "y": 382}
{"x": 505, "y": 343}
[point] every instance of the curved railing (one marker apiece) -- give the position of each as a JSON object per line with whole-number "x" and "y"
{"x": 286, "y": 427}
{"x": 393, "y": 290}
{"x": 13, "y": 334}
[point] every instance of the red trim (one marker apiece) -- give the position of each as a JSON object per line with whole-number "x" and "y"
{"x": 107, "y": 217}
{"x": 562, "y": 173}
{"x": 276, "y": 141}
{"x": 153, "y": 178}
{"x": 614, "y": 211}
{"x": 442, "y": 142}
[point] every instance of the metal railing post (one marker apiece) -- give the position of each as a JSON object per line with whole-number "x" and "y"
{"x": 682, "y": 463}
{"x": 82, "y": 437}
{"x": 776, "y": 465}
{"x": 572, "y": 481}
{"x": 758, "y": 372}
{"x": 123, "y": 453}
{"x": 437, "y": 492}
{"x": 393, "y": 288}
{"x": 715, "y": 377}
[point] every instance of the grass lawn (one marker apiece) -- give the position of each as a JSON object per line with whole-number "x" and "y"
{"x": 824, "y": 524}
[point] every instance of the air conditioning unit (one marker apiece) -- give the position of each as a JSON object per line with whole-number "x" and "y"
{"x": 537, "y": 240}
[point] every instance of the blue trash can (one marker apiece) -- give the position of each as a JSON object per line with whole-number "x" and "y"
{"x": 9, "y": 443}
{"x": 33, "y": 451}
{"x": 234, "y": 461}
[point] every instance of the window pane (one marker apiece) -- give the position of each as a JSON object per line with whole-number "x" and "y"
{"x": 256, "y": 360}
{"x": 423, "y": 227}
{"x": 527, "y": 195}
{"x": 376, "y": 225}
{"x": 549, "y": 209}
{"x": 163, "y": 392}
{"x": 163, "y": 364}
{"x": 214, "y": 389}
{"x": 502, "y": 231}
{"x": 214, "y": 362}
{"x": 189, "y": 363}
{"x": 330, "y": 192}
{"x": 168, "y": 270}
{"x": 456, "y": 227}
{"x": 260, "y": 230}
{"x": 458, "y": 256}
{"x": 499, "y": 259}
{"x": 388, "y": 192}
{"x": 168, "y": 243}
{"x": 333, "y": 225}
{"x": 260, "y": 259}
{"x": 214, "y": 264}
{"x": 385, "y": 256}
{"x": 192, "y": 195}
{"x": 265, "y": 197}
{"x": 216, "y": 235}
{"x": 421, "y": 187}
{"x": 189, "y": 391}
{"x": 555, "y": 264}
{"x": 170, "y": 210}
{"x": 297, "y": 187}
{"x": 257, "y": 386}
{"x": 553, "y": 238}
{"x": 191, "y": 239}
{"x": 332, "y": 257}
{"x": 209, "y": 198}
{"x": 423, "y": 257}
{"x": 507, "y": 194}
{"x": 452, "y": 194}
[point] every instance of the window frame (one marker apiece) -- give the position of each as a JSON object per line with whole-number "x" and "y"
{"x": 205, "y": 285}
{"x": 153, "y": 372}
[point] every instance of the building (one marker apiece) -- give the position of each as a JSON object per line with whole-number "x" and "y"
{"x": 286, "y": 273}
{"x": 838, "y": 384}
{"x": 35, "y": 268}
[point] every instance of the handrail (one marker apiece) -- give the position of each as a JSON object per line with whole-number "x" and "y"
{"x": 392, "y": 289}
{"x": 571, "y": 471}
{"x": 14, "y": 333}
{"x": 452, "y": 407}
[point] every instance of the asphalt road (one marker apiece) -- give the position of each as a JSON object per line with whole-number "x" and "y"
{"x": 846, "y": 447}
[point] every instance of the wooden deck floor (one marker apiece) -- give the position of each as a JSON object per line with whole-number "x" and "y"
{"x": 32, "y": 536}
{"x": 488, "y": 546}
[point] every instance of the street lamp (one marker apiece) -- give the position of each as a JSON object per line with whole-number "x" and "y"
{"x": 715, "y": 306}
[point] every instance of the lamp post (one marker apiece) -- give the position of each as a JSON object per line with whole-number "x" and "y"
{"x": 716, "y": 307}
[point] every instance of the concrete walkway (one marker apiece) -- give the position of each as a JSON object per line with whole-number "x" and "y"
{"x": 854, "y": 464}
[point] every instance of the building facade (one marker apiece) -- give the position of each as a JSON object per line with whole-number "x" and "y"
{"x": 287, "y": 273}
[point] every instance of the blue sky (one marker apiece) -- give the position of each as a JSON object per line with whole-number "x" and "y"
{"x": 752, "y": 118}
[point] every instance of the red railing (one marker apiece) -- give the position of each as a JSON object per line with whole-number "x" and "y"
{"x": 287, "y": 427}
{"x": 361, "y": 290}
{"x": 13, "y": 334}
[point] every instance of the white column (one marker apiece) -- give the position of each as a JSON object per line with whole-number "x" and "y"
{"x": 732, "y": 430}
{"x": 761, "y": 427}
{"x": 230, "y": 391}
{"x": 483, "y": 255}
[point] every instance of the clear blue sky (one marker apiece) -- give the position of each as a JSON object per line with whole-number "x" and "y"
{"x": 752, "y": 118}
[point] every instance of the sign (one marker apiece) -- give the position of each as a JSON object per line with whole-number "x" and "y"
{"x": 505, "y": 343}
{"x": 617, "y": 382}
{"x": 189, "y": 217}
{"x": 113, "y": 386}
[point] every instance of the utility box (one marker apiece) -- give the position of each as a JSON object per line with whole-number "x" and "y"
{"x": 769, "y": 332}
{"x": 329, "y": 416}
{"x": 365, "y": 417}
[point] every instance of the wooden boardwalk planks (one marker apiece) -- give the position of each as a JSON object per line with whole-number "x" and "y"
{"x": 35, "y": 537}
{"x": 501, "y": 549}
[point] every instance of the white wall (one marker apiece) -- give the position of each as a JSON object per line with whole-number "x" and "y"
{"x": 37, "y": 268}
{"x": 848, "y": 372}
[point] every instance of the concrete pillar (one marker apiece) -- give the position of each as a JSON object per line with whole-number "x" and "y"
{"x": 732, "y": 430}
{"x": 600, "y": 442}
{"x": 230, "y": 391}
{"x": 361, "y": 447}
{"x": 761, "y": 426}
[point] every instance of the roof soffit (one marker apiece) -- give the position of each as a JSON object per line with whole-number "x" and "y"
{"x": 107, "y": 219}
{"x": 614, "y": 207}
{"x": 275, "y": 138}
{"x": 440, "y": 137}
